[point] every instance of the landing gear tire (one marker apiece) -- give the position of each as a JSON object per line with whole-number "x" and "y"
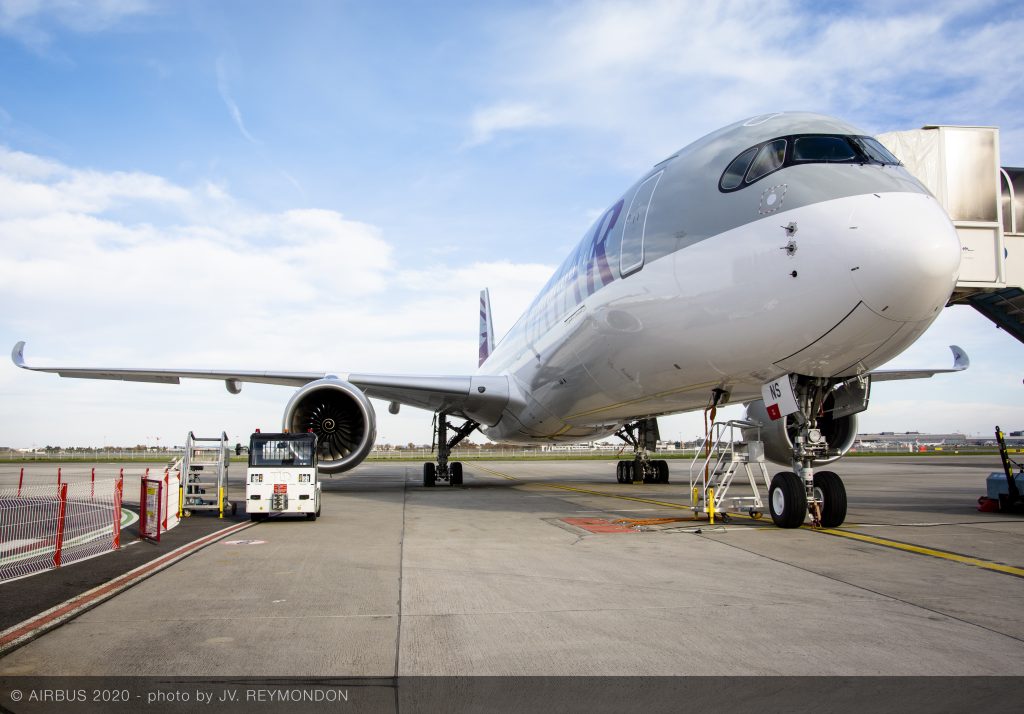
{"x": 661, "y": 469}
{"x": 830, "y": 489}
{"x": 429, "y": 474}
{"x": 619, "y": 472}
{"x": 627, "y": 472}
{"x": 787, "y": 500}
{"x": 455, "y": 471}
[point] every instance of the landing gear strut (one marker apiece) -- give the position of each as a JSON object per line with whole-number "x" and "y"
{"x": 643, "y": 436}
{"x": 794, "y": 494}
{"x": 442, "y": 469}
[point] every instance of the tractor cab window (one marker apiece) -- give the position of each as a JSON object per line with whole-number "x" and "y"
{"x": 282, "y": 450}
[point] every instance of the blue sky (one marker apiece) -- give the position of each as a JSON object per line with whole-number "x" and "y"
{"x": 184, "y": 183}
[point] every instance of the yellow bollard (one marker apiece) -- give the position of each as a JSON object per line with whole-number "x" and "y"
{"x": 220, "y": 501}
{"x": 695, "y": 498}
{"x": 711, "y": 505}
{"x": 181, "y": 497}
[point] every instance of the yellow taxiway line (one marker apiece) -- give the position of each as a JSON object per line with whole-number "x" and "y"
{"x": 884, "y": 542}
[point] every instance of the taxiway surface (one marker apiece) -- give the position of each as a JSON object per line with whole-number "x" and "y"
{"x": 490, "y": 579}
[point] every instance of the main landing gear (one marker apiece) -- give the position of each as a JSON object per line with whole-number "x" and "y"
{"x": 794, "y": 494}
{"x": 442, "y": 469}
{"x": 643, "y": 436}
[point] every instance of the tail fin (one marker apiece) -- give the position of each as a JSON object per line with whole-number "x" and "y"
{"x": 486, "y": 327}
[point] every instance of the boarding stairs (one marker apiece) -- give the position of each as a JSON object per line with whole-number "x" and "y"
{"x": 725, "y": 456}
{"x": 204, "y": 468}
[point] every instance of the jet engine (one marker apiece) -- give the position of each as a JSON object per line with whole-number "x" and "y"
{"x": 342, "y": 418}
{"x": 778, "y": 435}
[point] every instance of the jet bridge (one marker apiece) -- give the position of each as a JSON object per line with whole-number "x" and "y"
{"x": 960, "y": 166}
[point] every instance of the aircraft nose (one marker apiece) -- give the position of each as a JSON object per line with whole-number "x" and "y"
{"x": 906, "y": 255}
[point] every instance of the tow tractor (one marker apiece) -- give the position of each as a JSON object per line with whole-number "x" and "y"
{"x": 282, "y": 476}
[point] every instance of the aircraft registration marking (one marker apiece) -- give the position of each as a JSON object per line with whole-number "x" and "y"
{"x": 883, "y": 542}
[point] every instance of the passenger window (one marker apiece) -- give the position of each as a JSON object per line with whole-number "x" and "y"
{"x": 769, "y": 158}
{"x": 822, "y": 148}
{"x": 733, "y": 175}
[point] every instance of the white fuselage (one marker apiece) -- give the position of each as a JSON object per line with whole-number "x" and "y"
{"x": 829, "y": 288}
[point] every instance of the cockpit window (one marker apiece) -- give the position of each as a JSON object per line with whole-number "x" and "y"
{"x": 767, "y": 157}
{"x": 875, "y": 151}
{"x": 733, "y": 175}
{"x": 822, "y": 148}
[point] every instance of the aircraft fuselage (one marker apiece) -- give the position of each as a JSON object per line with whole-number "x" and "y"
{"x": 826, "y": 265}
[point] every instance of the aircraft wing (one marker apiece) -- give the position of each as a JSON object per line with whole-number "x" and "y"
{"x": 170, "y": 376}
{"x": 960, "y": 362}
{"x": 484, "y": 395}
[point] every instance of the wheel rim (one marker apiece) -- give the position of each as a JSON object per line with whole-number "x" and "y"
{"x": 778, "y": 501}
{"x": 819, "y": 495}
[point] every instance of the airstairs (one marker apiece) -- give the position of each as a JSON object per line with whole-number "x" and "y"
{"x": 204, "y": 468}
{"x": 960, "y": 166}
{"x": 712, "y": 478}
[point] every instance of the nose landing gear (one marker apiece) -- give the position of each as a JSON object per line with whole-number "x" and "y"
{"x": 795, "y": 494}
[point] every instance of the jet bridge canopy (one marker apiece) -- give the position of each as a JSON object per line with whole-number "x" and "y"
{"x": 960, "y": 166}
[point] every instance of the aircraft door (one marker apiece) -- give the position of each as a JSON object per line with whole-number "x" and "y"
{"x": 631, "y": 255}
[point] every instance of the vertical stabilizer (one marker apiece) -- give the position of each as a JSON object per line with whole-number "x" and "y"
{"x": 486, "y": 327}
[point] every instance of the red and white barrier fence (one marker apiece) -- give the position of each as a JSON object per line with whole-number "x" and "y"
{"x": 44, "y": 526}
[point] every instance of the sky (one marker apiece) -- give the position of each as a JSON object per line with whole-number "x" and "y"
{"x": 328, "y": 185}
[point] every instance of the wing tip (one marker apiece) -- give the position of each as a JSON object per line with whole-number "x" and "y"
{"x": 960, "y": 358}
{"x": 18, "y": 355}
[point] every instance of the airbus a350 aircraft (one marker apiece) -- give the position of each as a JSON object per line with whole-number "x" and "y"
{"x": 776, "y": 262}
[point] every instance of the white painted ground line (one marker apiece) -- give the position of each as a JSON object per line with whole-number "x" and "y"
{"x": 128, "y": 517}
{"x": 24, "y": 632}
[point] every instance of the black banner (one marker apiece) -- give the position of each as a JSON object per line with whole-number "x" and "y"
{"x": 900, "y": 695}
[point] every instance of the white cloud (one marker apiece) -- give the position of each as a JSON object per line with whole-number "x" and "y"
{"x": 487, "y": 122}
{"x": 229, "y": 102}
{"x": 28, "y": 21}
{"x": 212, "y": 284}
{"x": 649, "y": 75}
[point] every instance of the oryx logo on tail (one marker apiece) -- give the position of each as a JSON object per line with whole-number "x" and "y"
{"x": 486, "y": 327}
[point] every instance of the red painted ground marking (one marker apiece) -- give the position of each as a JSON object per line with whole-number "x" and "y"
{"x": 597, "y": 525}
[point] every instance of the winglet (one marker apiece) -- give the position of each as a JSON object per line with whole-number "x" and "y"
{"x": 18, "y": 355}
{"x": 486, "y": 326}
{"x": 960, "y": 359}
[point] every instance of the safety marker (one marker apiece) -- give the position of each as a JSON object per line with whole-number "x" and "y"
{"x": 884, "y": 542}
{"x": 598, "y": 525}
{"x": 30, "y": 629}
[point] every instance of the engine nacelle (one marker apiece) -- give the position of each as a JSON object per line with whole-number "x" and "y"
{"x": 839, "y": 433}
{"x": 342, "y": 418}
